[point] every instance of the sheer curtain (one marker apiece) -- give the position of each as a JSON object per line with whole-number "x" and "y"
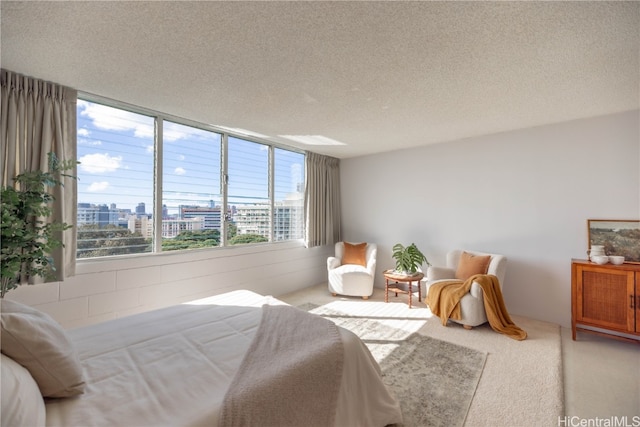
{"x": 322, "y": 200}
{"x": 39, "y": 117}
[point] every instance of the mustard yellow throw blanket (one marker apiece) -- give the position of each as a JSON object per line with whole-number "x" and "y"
{"x": 444, "y": 297}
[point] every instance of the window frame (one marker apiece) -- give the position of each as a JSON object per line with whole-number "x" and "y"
{"x": 159, "y": 120}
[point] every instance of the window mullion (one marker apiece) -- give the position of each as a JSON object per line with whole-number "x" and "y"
{"x": 157, "y": 180}
{"x": 272, "y": 214}
{"x": 224, "y": 181}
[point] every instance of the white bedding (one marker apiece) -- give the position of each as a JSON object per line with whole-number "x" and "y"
{"x": 172, "y": 367}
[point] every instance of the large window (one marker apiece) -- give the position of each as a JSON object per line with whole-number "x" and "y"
{"x": 191, "y": 193}
{"x": 115, "y": 185}
{"x": 248, "y": 192}
{"x": 288, "y": 218}
{"x": 205, "y": 182}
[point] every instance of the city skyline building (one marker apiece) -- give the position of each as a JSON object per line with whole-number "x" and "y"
{"x": 211, "y": 216}
{"x": 173, "y": 227}
{"x": 288, "y": 218}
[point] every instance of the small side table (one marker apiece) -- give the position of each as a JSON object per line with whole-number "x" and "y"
{"x": 401, "y": 278}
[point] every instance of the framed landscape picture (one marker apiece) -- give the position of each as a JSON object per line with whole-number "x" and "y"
{"x": 619, "y": 237}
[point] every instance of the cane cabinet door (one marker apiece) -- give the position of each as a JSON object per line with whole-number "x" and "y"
{"x": 606, "y": 298}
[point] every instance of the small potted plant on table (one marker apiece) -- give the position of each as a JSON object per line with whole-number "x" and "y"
{"x": 408, "y": 262}
{"x": 408, "y": 259}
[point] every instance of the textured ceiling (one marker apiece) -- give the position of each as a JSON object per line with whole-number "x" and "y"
{"x": 376, "y": 76}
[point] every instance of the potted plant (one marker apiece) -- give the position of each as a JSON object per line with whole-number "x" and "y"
{"x": 27, "y": 238}
{"x": 408, "y": 259}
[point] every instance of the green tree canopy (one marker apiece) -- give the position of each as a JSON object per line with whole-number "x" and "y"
{"x": 192, "y": 240}
{"x": 241, "y": 239}
{"x": 96, "y": 241}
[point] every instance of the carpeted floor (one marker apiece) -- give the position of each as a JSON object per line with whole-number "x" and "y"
{"x": 412, "y": 363}
{"x": 521, "y": 384}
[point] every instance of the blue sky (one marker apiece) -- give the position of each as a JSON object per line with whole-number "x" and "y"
{"x": 116, "y": 154}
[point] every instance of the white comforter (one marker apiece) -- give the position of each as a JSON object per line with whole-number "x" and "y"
{"x": 172, "y": 367}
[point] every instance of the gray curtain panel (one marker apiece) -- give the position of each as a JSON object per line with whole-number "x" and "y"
{"x": 39, "y": 117}
{"x": 322, "y": 200}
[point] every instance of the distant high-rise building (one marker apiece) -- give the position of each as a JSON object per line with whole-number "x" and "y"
{"x": 142, "y": 225}
{"x": 172, "y": 227}
{"x": 87, "y": 214}
{"x": 288, "y": 218}
{"x": 101, "y": 215}
{"x": 140, "y": 209}
{"x": 210, "y": 215}
{"x": 253, "y": 219}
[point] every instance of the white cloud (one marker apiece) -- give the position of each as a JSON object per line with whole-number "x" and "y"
{"x": 100, "y": 163}
{"x": 89, "y": 142}
{"x": 173, "y": 131}
{"x": 98, "y": 186}
{"x": 181, "y": 157}
{"x": 83, "y": 132}
{"x": 109, "y": 118}
{"x": 179, "y": 171}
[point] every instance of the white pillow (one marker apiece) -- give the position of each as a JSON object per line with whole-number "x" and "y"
{"x": 22, "y": 403}
{"x": 37, "y": 342}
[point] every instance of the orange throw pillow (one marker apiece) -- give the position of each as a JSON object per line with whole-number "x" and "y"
{"x": 470, "y": 265}
{"x": 355, "y": 254}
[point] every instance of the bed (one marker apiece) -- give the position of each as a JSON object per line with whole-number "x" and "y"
{"x": 177, "y": 366}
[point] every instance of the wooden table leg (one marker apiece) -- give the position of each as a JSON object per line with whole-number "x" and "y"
{"x": 419, "y": 291}
{"x": 410, "y": 293}
{"x": 386, "y": 290}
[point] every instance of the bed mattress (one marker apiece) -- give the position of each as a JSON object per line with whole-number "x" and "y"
{"x": 173, "y": 366}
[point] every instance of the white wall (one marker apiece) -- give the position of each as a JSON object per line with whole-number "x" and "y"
{"x": 526, "y": 194}
{"x": 110, "y": 288}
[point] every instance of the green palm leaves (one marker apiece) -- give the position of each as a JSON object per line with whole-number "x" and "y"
{"x": 409, "y": 258}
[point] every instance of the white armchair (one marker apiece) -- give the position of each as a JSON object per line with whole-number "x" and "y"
{"x": 352, "y": 279}
{"x": 472, "y": 304}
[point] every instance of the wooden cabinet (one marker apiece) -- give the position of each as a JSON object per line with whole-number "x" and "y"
{"x": 606, "y": 297}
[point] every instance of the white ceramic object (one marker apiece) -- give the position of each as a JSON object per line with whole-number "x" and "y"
{"x": 600, "y": 259}
{"x": 596, "y": 250}
{"x": 616, "y": 259}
